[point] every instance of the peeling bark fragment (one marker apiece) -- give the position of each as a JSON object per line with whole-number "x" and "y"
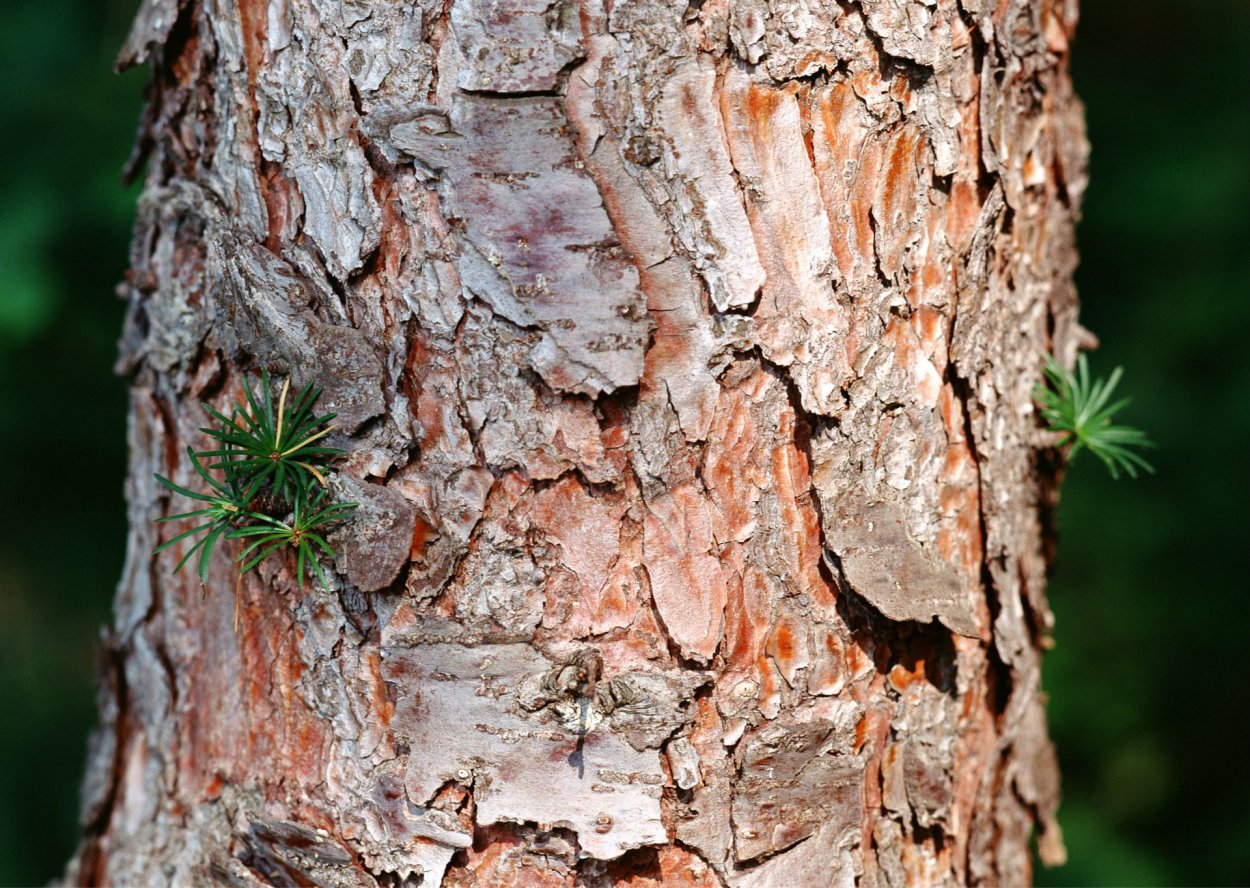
{"x": 901, "y": 198}
{"x": 828, "y": 673}
{"x": 791, "y": 38}
{"x": 172, "y": 323}
{"x": 500, "y": 581}
{"x": 376, "y": 540}
{"x": 826, "y": 858}
{"x": 904, "y": 27}
{"x": 144, "y": 434}
{"x": 846, "y": 160}
{"x": 686, "y": 581}
{"x": 1037, "y": 781}
{"x": 688, "y": 349}
{"x": 538, "y": 246}
{"x": 518, "y": 855}
{"x": 407, "y": 839}
{"x": 444, "y": 482}
{"x": 888, "y": 568}
{"x": 918, "y": 765}
{"x": 153, "y": 739}
{"x": 516, "y": 425}
{"x": 725, "y": 252}
{"x": 515, "y": 45}
{"x": 227, "y": 148}
{"x": 306, "y": 121}
{"x": 271, "y": 323}
{"x": 287, "y": 853}
{"x": 683, "y": 761}
{"x": 389, "y": 57}
{"x": 587, "y": 529}
{"x": 799, "y": 323}
{"x": 891, "y": 844}
{"x": 796, "y": 780}
{"x": 149, "y": 31}
{"x": 704, "y": 823}
{"x": 787, "y": 646}
{"x": 522, "y": 769}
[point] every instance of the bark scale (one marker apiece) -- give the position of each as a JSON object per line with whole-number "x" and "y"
{"x": 684, "y": 356}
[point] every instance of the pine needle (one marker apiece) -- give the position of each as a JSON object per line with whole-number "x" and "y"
{"x": 1080, "y": 410}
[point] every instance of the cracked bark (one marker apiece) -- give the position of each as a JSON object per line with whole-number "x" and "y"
{"x": 684, "y": 358}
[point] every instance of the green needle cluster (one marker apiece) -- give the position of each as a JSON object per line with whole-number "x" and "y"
{"x": 226, "y": 506}
{"x": 272, "y": 491}
{"x": 270, "y": 534}
{"x": 272, "y": 445}
{"x": 1080, "y": 410}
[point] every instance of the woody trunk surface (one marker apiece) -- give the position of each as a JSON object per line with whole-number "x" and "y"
{"x": 683, "y": 357}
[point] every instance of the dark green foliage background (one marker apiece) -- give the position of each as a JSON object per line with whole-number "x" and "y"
{"x": 1150, "y": 703}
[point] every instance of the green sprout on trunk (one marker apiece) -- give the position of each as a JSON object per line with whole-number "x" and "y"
{"x": 273, "y": 490}
{"x": 1078, "y": 409}
{"x": 264, "y": 443}
{"x": 226, "y": 507}
{"x": 270, "y": 534}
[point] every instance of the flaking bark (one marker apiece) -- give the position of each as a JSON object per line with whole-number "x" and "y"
{"x": 683, "y": 354}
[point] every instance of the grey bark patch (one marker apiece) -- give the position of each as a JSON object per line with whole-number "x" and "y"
{"x": 538, "y": 246}
{"x": 683, "y": 761}
{"x": 698, "y": 162}
{"x": 289, "y": 854}
{"x": 150, "y": 29}
{"x": 375, "y": 542}
{"x": 515, "y": 45}
{"x": 793, "y": 783}
{"x": 888, "y": 568}
{"x": 828, "y": 858}
{"x": 919, "y": 762}
{"x": 173, "y": 320}
{"x": 459, "y": 713}
{"x": 270, "y": 321}
{"x": 307, "y": 121}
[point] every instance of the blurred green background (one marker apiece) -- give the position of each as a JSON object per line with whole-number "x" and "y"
{"x": 1150, "y": 702}
{"x": 66, "y": 123}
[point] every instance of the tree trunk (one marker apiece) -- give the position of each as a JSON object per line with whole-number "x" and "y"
{"x": 684, "y": 355}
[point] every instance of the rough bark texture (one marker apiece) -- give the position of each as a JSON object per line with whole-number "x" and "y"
{"x": 684, "y": 356}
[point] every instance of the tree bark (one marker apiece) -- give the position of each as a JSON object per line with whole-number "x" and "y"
{"x": 684, "y": 356}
